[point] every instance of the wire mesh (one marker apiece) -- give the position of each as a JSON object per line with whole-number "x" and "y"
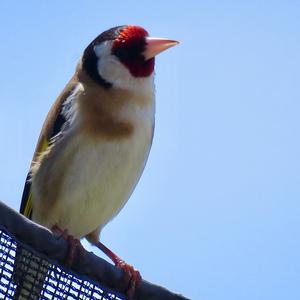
{"x": 26, "y": 274}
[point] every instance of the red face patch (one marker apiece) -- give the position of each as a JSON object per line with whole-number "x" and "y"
{"x": 129, "y": 47}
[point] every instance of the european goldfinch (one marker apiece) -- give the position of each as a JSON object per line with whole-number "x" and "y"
{"x": 97, "y": 136}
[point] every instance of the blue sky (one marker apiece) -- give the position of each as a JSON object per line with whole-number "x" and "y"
{"x": 216, "y": 213}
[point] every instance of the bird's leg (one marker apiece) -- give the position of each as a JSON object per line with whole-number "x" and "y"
{"x": 75, "y": 249}
{"x": 132, "y": 276}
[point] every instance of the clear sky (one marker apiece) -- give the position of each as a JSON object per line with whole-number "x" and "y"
{"x": 216, "y": 212}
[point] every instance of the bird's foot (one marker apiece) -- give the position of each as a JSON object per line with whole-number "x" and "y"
{"x": 131, "y": 275}
{"x": 75, "y": 249}
{"x": 75, "y": 252}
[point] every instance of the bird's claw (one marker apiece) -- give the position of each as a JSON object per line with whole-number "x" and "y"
{"x": 131, "y": 275}
{"x": 75, "y": 249}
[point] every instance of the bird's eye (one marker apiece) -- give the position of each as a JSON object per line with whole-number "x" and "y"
{"x": 129, "y": 49}
{"x": 126, "y": 53}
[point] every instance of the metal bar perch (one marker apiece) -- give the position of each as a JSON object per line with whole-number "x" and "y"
{"x": 90, "y": 277}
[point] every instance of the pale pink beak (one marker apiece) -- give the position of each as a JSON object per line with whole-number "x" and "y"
{"x": 156, "y": 45}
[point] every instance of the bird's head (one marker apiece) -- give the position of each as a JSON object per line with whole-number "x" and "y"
{"x": 123, "y": 57}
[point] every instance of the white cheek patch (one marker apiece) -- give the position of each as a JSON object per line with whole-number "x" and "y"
{"x": 114, "y": 72}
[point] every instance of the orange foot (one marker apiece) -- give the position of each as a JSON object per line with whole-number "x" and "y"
{"x": 131, "y": 275}
{"x": 75, "y": 250}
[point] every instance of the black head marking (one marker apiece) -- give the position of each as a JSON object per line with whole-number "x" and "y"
{"x": 90, "y": 60}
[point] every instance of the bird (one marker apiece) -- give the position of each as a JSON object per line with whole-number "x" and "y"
{"x": 96, "y": 139}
